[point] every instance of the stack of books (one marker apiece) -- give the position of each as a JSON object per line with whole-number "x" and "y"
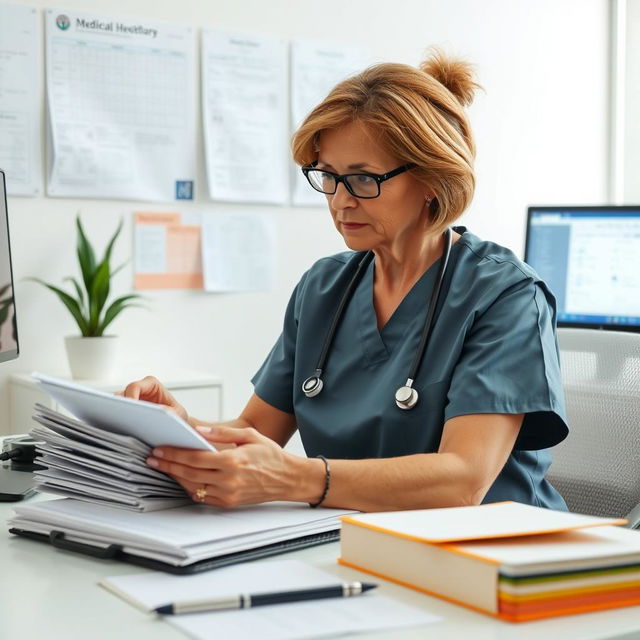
{"x": 513, "y": 561}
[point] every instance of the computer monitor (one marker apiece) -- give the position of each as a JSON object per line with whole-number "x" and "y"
{"x": 590, "y": 258}
{"x": 8, "y": 329}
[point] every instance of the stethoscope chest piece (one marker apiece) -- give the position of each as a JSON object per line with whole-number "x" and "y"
{"x": 406, "y": 397}
{"x": 312, "y": 386}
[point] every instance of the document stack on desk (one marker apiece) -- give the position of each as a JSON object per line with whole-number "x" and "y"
{"x": 119, "y": 508}
{"x": 513, "y": 561}
{"x": 181, "y": 540}
{"x": 96, "y": 465}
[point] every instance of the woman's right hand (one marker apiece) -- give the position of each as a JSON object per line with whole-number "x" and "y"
{"x": 151, "y": 389}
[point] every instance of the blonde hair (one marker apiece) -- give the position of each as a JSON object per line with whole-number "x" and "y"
{"x": 418, "y": 117}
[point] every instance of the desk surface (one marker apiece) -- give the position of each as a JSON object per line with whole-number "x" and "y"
{"x": 47, "y": 593}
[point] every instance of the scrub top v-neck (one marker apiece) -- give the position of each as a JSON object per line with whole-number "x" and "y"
{"x": 492, "y": 350}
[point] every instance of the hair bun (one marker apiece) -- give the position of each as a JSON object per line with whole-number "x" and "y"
{"x": 455, "y": 75}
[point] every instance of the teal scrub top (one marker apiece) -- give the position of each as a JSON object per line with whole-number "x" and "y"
{"x": 492, "y": 349}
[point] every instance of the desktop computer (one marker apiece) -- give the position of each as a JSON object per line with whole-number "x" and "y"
{"x": 14, "y": 484}
{"x": 8, "y": 328}
{"x": 590, "y": 258}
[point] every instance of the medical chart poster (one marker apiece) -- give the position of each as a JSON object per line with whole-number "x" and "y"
{"x": 315, "y": 69}
{"x": 238, "y": 252}
{"x": 167, "y": 251}
{"x": 20, "y": 133}
{"x": 121, "y": 107}
{"x": 245, "y": 117}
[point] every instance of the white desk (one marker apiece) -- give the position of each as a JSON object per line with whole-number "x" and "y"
{"x": 46, "y": 593}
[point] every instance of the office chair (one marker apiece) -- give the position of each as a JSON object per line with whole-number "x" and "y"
{"x": 597, "y": 468}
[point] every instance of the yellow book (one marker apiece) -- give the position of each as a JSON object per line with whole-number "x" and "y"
{"x": 483, "y": 556}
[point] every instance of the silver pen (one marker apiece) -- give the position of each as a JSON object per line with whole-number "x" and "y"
{"x": 245, "y": 601}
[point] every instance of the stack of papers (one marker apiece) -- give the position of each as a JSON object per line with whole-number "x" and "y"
{"x": 92, "y": 464}
{"x": 177, "y": 537}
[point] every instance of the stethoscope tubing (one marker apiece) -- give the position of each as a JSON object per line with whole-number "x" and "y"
{"x": 406, "y": 396}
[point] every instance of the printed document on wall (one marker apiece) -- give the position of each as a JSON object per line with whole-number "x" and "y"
{"x": 315, "y": 69}
{"x": 121, "y": 107}
{"x": 238, "y": 252}
{"x": 245, "y": 117}
{"x": 20, "y": 155}
{"x": 167, "y": 251}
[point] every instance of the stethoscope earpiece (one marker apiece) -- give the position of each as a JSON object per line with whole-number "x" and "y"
{"x": 312, "y": 386}
{"x": 406, "y": 397}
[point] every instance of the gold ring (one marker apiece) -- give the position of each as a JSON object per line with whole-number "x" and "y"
{"x": 201, "y": 493}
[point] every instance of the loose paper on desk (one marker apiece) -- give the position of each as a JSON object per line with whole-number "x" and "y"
{"x": 20, "y": 153}
{"x": 167, "y": 252}
{"x": 315, "y": 69}
{"x": 120, "y": 93}
{"x": 238, "y": 252}
{"x": 245, "y": 116}
{"x": 313, "y": 619}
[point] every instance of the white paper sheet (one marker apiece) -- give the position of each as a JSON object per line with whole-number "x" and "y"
{"x": 20, "y": 154}
{"x": 315, "y": 69}
{"x": 238, "y": 252}
{"x": 314, "y": 619}
{"x": 145, "y": 421}
{"x": 245, "y": 116}
{"x": 121, "y": 97}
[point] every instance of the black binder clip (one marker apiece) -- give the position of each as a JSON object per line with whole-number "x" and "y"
{"x": 57, "y": 539}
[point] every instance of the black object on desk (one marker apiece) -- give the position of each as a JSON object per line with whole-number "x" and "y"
{"x": 15, "y": 485}
{"x": 116, "y": 551}
{"x": 246, "y": 601}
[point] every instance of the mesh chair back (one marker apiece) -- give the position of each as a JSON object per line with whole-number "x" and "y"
{"x": 597, "y": 468}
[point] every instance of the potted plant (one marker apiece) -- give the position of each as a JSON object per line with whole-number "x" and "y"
{"x": 92, "y": 353}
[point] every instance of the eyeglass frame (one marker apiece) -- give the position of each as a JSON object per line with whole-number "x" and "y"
{"x": 378, "y": 177}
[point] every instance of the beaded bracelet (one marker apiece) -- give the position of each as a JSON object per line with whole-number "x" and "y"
{"x": 327, "y": 482}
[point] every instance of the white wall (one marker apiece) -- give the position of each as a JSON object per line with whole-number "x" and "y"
{"x": 541, "y": 128}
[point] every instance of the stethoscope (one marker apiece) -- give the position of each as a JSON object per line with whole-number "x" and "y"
{"x": 406, "y": 396}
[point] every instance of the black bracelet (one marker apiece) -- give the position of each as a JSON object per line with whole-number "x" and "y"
{"x": 327, "y": 482}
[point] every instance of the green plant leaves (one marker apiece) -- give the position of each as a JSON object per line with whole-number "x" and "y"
{"x": 86, "y": 256}
{"x": 87, "y": 309}
{"x": 118, "y": 305}
{"x": 71, "y": 303}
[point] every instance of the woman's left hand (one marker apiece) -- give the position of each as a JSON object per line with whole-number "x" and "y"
{"x": 256, "y": 470}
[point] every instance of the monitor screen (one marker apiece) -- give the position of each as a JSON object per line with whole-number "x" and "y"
{"x": 8, "y": 331}
{"x": 590, "y": 258}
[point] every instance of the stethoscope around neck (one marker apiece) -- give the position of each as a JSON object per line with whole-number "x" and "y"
{"x": 406, "y": 396}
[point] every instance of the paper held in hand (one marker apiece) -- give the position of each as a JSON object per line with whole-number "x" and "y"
{"x": 151, "y": 423}
{"x": 100, "y": 455}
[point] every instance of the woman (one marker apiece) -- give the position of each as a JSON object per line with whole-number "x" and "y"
{"x": 392, "y": 150}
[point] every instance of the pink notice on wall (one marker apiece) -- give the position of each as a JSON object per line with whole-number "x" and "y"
{"x": 167, "y": 252}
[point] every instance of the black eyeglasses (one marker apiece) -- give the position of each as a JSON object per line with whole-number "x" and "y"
{"x": 360, "y": 185}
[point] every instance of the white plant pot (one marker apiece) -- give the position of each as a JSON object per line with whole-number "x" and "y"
{"x": 92, "y": 358}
